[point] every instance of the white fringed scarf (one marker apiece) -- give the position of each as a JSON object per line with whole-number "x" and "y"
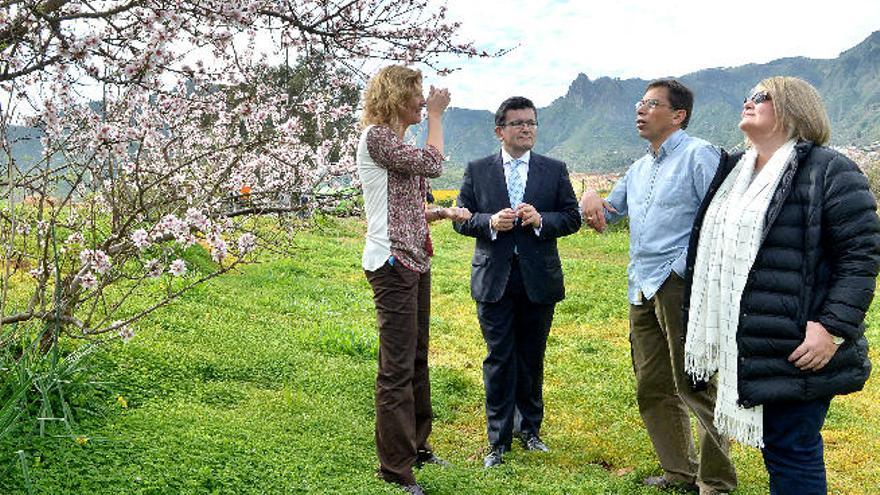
{"x": 727, "y": 249}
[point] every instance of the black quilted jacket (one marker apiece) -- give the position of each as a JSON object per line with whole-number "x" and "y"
{"x": 818, "y": 261}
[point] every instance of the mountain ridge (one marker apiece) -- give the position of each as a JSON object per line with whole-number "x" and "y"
{"x": 591, "y": 126}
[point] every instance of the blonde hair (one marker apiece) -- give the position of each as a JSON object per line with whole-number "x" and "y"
{"x": 387, "y": 94}
{"x": 799, "y": 108}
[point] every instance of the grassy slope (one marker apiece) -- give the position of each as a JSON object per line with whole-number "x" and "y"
{"x": 263, "y": 383}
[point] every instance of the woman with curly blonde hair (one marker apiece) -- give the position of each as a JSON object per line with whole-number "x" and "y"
{"x": 397, "y": 263}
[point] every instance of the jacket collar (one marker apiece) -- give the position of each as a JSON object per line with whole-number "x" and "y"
{"x": 505, "y": 156}
{"x": 803, "y": 148}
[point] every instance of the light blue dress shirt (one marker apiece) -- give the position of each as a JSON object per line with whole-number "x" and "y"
{"x": 661, "y": 194}
{"x": 523, "y": 164}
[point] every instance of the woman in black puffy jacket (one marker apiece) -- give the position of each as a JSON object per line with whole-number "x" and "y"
{"x": 781, "y": 269}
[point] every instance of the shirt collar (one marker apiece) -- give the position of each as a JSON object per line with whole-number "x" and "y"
{"x": 670, "y": 144}
{"x": 506, "y": 158}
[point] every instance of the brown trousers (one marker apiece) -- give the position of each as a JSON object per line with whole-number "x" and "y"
{"x": 403, "y": 391}
{"x": 664, "y": 395}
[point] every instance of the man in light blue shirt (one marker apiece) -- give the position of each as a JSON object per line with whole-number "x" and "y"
{"x": 660, "y": 194}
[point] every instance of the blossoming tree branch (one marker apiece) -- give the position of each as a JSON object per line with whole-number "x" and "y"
{"x": 160, "y": 121}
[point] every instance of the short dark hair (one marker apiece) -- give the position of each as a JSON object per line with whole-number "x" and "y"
{"x": 513, "y": 103}
{"x": 680, "y": 97}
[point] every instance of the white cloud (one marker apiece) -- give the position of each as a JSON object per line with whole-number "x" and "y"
{"x": 557, "y": 40}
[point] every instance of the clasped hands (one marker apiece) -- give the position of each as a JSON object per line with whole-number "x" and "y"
{"x": 505, "y": 219}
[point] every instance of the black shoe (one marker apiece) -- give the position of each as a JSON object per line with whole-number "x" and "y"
{"x": 414, "y": 489}
{"x": 494, "y": 457}
{"x": 662, "y": 483}
{"x": 532, "y": 442}
{"x": 428, "y": 457}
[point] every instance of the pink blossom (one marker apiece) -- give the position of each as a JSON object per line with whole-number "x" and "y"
{"x": 37, "y": 272}
{"x": 196, "y": 219}
{"x": 173, "y": 226}
{"x": 96, "y": 259}
{"x": 103, "y": 133}
{"x": 218, "y": 247}
{"x": 177, "y": 268}
{"x": 246, "y": 243}
{"x": 74, "y": 238}
{"x": 140, "y": 239}
{"x": 88, "y": 280}
{"x": 125, "y": 332}
{"x": 153, "y": 268}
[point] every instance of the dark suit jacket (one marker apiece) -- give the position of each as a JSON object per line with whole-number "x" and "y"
{"x": 484, "y": 193}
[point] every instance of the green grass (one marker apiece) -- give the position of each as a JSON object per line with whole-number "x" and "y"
{"x": 262, "y": 382}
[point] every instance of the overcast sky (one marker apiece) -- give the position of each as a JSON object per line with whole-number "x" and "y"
{"x": 556, "y": 40}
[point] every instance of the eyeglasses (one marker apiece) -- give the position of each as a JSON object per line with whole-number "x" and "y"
{"x": 758, "y": 97}
{"x": 651, "y": 104}
{"x": 521, "y": 124}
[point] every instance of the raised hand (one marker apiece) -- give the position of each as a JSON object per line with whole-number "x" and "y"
{"x": 438, "y": 100}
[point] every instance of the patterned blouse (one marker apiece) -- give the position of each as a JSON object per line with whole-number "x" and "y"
{"x": 393, "y": 177}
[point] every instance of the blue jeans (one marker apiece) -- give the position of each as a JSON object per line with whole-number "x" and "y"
{"x": 793, "y": 450}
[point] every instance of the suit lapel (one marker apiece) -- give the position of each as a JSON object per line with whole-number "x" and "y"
{"x": 535, "y": 180}
{"x": 497, "y": 180}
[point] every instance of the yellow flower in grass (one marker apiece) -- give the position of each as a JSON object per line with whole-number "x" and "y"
{"x": 81, "y": 440}
{"x": 445, "y": 194}
{"x": 122, "y": 402}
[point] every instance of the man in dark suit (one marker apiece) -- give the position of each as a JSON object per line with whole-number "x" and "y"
{"x": 521, "y": 202}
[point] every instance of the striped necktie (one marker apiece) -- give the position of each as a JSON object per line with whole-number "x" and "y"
{"x": 515, "y": 183}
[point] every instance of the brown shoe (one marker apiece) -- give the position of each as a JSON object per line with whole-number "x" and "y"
{"x": 662, "y": 483}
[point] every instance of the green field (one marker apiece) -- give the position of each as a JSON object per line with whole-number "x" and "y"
{"x": 262, "y": 382}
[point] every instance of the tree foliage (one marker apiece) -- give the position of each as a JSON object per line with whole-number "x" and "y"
{"x": 162, "y": 121}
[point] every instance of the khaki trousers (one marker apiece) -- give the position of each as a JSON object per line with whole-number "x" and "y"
{"x": 664, "y": 395}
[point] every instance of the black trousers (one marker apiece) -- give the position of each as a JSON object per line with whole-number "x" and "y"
{"x": 515, "y": 330}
